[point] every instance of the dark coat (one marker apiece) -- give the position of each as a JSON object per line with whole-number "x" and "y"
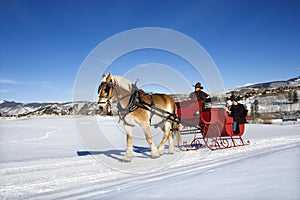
{"x": 199, "y": 95}
{"x": 239, "y": 113}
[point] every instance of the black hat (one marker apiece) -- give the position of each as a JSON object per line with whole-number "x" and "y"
{"x": 198, "y": 85}
{"x": 235, "y": 99}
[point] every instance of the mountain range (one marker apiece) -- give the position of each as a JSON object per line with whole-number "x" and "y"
{"x": 294, "y": 82}
{"x": 11, "y": 108}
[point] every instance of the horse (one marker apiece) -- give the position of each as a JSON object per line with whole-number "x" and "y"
{"x": 137, "y": 108}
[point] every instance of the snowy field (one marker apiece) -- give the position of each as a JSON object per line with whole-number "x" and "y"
{"x": 39, "y": 161}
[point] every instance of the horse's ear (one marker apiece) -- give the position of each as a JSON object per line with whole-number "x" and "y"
{"x": 109, "y": 77}
{"x": 115, "y": 83}
{"x": 103, "y": 77}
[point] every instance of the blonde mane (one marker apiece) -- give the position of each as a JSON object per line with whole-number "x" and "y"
{"x": 123, "y": 82}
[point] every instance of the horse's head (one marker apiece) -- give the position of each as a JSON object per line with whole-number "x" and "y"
{"x": 113, "y": 88}
{"x": 106, "y": 92}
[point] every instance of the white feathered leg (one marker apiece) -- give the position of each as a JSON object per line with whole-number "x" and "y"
{"x": 154, "y": 152}
{"x": 129, "y": 149}
{"x": 166, "y": 129}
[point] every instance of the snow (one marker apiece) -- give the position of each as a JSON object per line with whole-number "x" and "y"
{"x": 37, "y": 138}
{"x": 39, "y": 161}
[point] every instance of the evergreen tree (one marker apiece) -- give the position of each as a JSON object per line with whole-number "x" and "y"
{"x": 295, "y": 96}
{"x": 290, "y": 95}
{"x": 254, "y": 109}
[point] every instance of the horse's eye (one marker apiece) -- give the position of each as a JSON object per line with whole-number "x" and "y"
{"x": 107, "y": 89}
{"x": 100, "y": 86}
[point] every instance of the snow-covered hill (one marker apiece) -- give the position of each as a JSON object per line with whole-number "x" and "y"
{"x": 293, "y": 82}
{"x": 11, "y": 108}
{"x": 272, "y": 97}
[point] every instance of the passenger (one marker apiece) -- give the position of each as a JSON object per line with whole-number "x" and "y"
{"x": 199, "y": 94}
{"x": 228, "y": 106}
{"x": 239, "y": 113}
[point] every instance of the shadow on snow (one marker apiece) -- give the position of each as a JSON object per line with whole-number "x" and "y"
{"x": 116, "y": 154}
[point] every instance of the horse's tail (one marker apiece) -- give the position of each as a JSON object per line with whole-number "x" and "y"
{"x": 175, "y": 126}
{"x": 176, "y": 132}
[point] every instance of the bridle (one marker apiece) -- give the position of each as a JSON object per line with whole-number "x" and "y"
{"x": 110, "y": 90}
{"x": 108, "y": 87}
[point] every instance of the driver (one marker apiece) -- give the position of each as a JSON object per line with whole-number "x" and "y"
{"x": 198, "y": 94}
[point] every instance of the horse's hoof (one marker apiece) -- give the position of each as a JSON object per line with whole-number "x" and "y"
{"x": 161, "y": 151}
{"x": 155, "y": 155}
{"x": 127, "y": 158}
{"x": 171, "y": 150}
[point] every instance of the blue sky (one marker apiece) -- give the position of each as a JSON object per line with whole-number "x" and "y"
{"x": 44, "y": 42}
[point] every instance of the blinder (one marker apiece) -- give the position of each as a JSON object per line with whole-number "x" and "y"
{"x": 107, "y": 87}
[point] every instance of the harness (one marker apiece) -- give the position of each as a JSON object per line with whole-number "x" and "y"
{"x": 136, "y": 102}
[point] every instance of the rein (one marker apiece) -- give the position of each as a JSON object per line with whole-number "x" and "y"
{"x": 136, "y": 102}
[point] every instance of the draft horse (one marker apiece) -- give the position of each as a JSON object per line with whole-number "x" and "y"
{"x": 137, "y": 108}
